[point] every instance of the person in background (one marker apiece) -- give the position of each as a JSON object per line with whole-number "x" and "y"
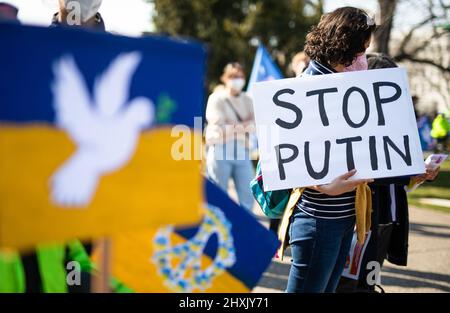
{"x": 390, "y": 218}
{"x": 299, "y": 63}
{"x": 439, "y": 132}
{"x": 230, "y": 118}
{"x": 8, "y": 12}
{"x": 89, "y": 17}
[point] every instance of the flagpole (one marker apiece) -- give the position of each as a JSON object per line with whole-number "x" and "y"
{"x": 100, "y": 281}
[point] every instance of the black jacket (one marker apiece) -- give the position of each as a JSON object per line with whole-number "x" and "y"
{"x": 389, "y": 239}
{"x": 397, "y": 243}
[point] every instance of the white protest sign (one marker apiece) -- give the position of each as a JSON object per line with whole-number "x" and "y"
{"x": 313, "y": 129}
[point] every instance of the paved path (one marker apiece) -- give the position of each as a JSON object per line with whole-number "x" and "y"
{"x": 428, "y": 267}
{"x": 429, "y": 256}
{"x": 429, "y": 259}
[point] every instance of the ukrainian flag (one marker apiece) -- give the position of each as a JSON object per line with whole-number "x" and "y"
{"x": 86, "y": 145}
{"x": 228, "y": 252}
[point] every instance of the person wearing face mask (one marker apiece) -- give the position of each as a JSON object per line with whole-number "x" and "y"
{"x": 318, "y": 221}
{"x": 360, "y": 64}
{"x": 88, "y": 16}
{"x": 230, "y": 118}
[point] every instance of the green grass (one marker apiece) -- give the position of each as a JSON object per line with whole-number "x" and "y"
{"x": 439, "y": 189}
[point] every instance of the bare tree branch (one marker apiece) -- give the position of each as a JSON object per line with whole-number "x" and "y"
{"x": 427, "y": 42}
{"x": 408, "y": 57}
{"x": 444, "y": 6}
{"x": 412, "y": 54}
{"x": 408, "y": 37}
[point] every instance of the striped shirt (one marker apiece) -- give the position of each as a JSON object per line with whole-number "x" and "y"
{"x": 320, "y": 205}
{"x": 315, "y": 203}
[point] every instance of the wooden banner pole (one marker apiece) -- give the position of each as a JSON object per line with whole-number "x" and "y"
{"x": 101, "y": 281}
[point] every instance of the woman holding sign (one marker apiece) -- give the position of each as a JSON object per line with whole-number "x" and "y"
{"x": 321, "y": 220}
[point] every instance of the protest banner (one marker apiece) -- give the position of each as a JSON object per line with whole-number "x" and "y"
{"x": 313, "y": 129}
{"x": 85, "y": 134}
{"x": 218, "y": 255}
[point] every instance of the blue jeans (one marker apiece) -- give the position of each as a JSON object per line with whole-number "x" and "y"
{"x": 231, "y": 160}
{"x": 319, "y": 250}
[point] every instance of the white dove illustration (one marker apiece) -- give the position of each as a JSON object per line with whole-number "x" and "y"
{"x": 105, "y": 127}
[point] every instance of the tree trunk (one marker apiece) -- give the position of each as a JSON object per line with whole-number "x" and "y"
{"x": 383, "y": 33}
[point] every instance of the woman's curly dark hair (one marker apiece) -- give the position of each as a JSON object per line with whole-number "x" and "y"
{"x": 339, "y": 36}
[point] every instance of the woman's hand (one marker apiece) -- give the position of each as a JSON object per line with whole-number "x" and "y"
{"x": 430, "y": 174}
{"x": 419, "y": 179}
{"x": 341, "y": 184}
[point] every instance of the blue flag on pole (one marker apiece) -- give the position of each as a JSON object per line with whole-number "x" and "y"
{"x": 264, "y": 68}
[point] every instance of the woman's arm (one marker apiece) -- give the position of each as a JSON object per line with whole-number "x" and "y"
{"x": 217, "y": 130}
{"x": 430, "y": 175}
{"x": 215, "y": 113}
{"x": 341, "y": 184}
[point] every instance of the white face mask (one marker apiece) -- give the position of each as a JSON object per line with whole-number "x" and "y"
{"x": 236, "y": 84}
{"x": 87, "y": 8}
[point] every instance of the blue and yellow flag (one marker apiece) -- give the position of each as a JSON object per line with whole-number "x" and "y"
{"x": 86, "y": 145}
{"x": 228, "y": 252}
